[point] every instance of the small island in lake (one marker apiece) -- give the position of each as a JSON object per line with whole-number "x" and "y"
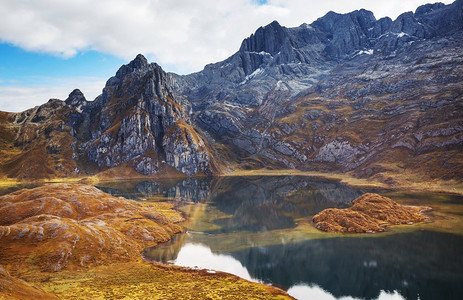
{"x": 369, "y": 213}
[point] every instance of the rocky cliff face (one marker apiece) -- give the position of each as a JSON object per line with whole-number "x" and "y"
{"x": 347, "y": 93}
{"x": 138, "y": 123}
{"x": 139, "y": 119}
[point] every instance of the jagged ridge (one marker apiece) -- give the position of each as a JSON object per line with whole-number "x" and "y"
{"x": 138, "y": 122}
{"x": 346, "y": 93}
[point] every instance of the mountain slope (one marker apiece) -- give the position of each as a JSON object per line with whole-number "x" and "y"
{"x": 138, "y": 124}
{"x": 347, "y": 93}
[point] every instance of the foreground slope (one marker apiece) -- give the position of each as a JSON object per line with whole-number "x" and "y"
{"x": 74, "y": 241}
{"x": 70, "y": 226}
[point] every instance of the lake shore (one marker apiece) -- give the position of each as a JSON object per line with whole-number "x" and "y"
{"x": 402, "y": 181}
{"x": 399, "y": 181}
{"x": 93, "y": 230}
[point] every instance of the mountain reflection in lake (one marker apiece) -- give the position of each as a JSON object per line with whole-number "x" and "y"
{"x": 259, "y": 228}
{"x": 186, "y": 190}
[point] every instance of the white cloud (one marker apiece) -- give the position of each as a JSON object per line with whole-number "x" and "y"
{"x": 181, "y": 35}
{"x": 16, "y": 98}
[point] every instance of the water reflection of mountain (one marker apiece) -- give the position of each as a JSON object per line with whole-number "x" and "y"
{"x": 191, "y": 190}
{"x": 291, "y": 194}
{"x": 167, "y": 251}
{"x": 422, "y": 264}
{"x": 254, "y": 203}
{"x": 273, "y": 202}
{"x": 231, "y": 192}
{"x": 149, "y": 188}
{"x": 187, "y": 190}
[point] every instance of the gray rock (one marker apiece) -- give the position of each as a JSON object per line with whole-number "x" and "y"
{"x": 136, "y": 116}
{"x": 76, "y": 98}
{"x": 147, "y": 166}
{"x": 339, "y": 152}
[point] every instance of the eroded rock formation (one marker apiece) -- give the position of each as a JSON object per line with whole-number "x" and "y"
{"x": 140, "y": 119}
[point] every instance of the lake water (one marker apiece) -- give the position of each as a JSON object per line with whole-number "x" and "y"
{"x": 259, "y": 229}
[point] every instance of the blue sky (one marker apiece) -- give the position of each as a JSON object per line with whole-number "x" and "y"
{"x": 31, "y": 78}
{"x": 18, "y": 66}
{"x": 49, "y": 47}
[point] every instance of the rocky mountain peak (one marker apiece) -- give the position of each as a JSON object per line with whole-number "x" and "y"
{"x": 267, "y": 39}
{"x": 75, "y": 98}
{"x": 439, "y": 19}
{"x": 138, "y": 63}
{"x": 334, "y": 22}
{"x": 428, "y": 8}
{"x": 142, "y": 123}
{"x": 139, "y": 76}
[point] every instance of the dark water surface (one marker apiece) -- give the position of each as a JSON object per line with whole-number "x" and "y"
{"x": 259, "y": 228}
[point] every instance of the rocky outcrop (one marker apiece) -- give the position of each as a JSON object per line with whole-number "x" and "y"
{"x": 261, "y": 100}
{"x": 369, "y": 213}
{"x": 347, "y": 93}
{"x": 340, "y": 152}
{"x": 76, "y": 98}
{"x": 74, "y": 226}
{"x": 142, "y": 120}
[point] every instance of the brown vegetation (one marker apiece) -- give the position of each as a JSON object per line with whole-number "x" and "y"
{"x": 48, "y": 235}
{"x": 73, "y": 226}
{"x": 36, "y": 143}
{"x": 369, "y": 213}
{"x": 146, "y": 281}
{"x": 13, "y": 288}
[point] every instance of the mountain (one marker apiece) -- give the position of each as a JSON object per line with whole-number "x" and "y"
{"x": 137, "y": 124}
{"x": 347, "y": 93}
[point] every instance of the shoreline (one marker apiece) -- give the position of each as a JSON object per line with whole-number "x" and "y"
{"x": 405, "y": 183}
{"x": 132, "y": 275}
{"x": 426, "y": 186}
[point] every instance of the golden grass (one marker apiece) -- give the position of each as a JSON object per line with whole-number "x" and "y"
{"x": 5, "y": 181}
{"x": 71, "y": 226}
{"x": 108, "y": 272}
{"x": 369, "y": 213}
{"x": 14, "y": 288}
{"x": 138, "y": 280}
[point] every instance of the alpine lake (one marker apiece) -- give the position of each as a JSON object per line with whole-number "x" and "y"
{"x": 259, "y": 228}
